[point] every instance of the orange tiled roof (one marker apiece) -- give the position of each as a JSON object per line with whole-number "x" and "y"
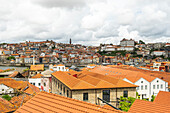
{"x": 60, "y": 65}
{"x": 37, "y": 67}
{"x": 48, "y": 102}
{"x": 122, "y": 72}
{"x": 18, "y": 100}
{"x": 37, "y": 75}
{"x": 89, "y": 80}
{"x": 1, "y": 70}
{"x": 6, "y": 106}
{"x": 142, "y": 106}
{"x": 13, "y": 74}
{"x": 163, "y": 98}
{"x": 20, "y": 85}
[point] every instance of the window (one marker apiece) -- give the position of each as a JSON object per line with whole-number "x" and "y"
{"x": 157, "y": 81}
{"x": 67, "y": 93}
{"x": 58, "y": 85}
{"x": 137, "y": 88}
{"x": 141, "y": 87}
{"x": 39, "y": 84}
{"x": 2, "y": 89}
{"x": 44, "y": 84}
{"x": 141, "y": 81}
{"x": 153, "y": 86}
{"x": 33, "y": 83}
{"x": 85, "y": 96}
{"x": 106, "y": 95}
{"x": 61, "y": 87}
{"x": 64, "y": 90}
{"x": 157, "y": 86}
{"x": 161, "y": 86}
{"x": 125, "y": 93}
{"x": 145, "y": 87}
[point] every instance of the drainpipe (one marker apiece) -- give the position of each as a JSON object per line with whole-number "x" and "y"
{"x": 95, "y": 97}
{"x": 116, "y": 98}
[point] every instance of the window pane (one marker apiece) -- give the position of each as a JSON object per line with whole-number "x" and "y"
{"x": 145, "y": 87}
{"x": 85, "y": 96}
{"x": 141, "y": 87}
{"x": 125, "y": 94}
{"x": 106, "y": 95}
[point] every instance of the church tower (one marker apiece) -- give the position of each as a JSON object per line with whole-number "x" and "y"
{"x": 70, "y": 40}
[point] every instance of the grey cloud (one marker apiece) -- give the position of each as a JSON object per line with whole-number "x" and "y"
{"x": 61, "y": 3}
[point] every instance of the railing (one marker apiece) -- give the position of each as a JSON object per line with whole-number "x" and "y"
{"x": 108, "y": 103}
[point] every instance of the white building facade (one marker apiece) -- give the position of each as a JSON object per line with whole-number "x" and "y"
{"x": 35, "y": 81}
{"x": 146, "y": 89}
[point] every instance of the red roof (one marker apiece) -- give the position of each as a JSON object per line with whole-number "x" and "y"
{"x": 142, "y": 106}
{"x": 48, "y": 103}
{"x": 163, "y": 98}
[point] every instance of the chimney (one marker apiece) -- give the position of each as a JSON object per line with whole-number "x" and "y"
{"x": 75, "y": 75}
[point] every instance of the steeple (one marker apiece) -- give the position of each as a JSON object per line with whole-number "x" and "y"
{"x": 70, "y": 40}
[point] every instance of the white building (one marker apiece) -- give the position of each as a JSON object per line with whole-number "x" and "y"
{"x": 158, "y": 53}
{"x": 4, "y": 89}
{"x": 147, "y": 88}
{"x": 36, "y": 80}
{"x": 148, "y": 85}
{"x": 126, "y": 42}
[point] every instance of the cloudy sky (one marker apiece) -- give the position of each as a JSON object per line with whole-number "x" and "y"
{"x": 87, "y": 22}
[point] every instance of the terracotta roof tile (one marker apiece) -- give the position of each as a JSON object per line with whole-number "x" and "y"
{"x": 6, "y": 106}
{"x": 89, "y": 80}
{"x": 17, "y": 100}
{"x": 37, "y": 67}
{"x": 48, "y": 102}
{"x": 142, "y": 106}
{"x": 37, "y": 76}
{"x": 163, "y": 98}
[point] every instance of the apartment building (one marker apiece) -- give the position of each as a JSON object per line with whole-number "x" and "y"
{"x": 89, "y": 87}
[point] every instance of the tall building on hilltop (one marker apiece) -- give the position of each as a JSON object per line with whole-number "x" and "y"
{"x": 70, "y": 40}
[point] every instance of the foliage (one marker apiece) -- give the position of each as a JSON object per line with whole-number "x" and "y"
{"x": 53, "y": 47}
{"x": 7, "y": 97}
{"x": 153, "y": 98}
{"x": 126, "y": 103}
{"x": 26, "y": 69}
{"x": 11, "y": 57}
{"x": 141, "y": 42}
{"x": 113, "y": 53}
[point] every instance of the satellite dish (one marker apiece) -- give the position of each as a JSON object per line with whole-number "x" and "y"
{"x": 42, "y": 54}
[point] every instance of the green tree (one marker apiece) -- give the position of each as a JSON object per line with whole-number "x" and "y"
{"x": 153, "y": 98}
{"x": 11, "y": 57}
{"x": 126, "y": 103}
{"x": 7, "y": 97}
{"x": 141, "y": 42}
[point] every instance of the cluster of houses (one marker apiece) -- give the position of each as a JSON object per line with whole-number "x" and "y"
{"x": 94, "y": 87}
{"x": 48, "y": 52}
{"x": 157, "y": 49}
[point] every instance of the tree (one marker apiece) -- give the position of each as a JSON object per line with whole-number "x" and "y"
{"x": 126, "y": 103}
{"x": 11, "y": 57}
{"x": 7, "y": 97}
{"x": 153, "y": 98}
{"x": 141, "y": 42}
